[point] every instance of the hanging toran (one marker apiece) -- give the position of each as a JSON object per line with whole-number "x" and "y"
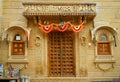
{"x": 61, "y": 28}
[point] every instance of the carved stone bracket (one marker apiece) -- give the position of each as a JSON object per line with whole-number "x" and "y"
{"x": 104, "y": 65}
{"x": 17, "y": 64}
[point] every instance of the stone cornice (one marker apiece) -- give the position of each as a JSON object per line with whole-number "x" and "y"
{"x": 62, "y": 8}
{"x": 57, "y": 3}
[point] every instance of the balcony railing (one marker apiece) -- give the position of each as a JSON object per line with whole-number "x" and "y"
{"x": 43, "y": 8}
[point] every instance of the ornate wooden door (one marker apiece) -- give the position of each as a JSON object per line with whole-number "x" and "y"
{"x": 61, "y": 54}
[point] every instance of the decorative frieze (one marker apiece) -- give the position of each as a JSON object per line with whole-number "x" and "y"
{"x": 59, "y": 8}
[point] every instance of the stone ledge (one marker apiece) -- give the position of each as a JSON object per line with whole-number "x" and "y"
{"x": 17, "y": 63}
{"x": 104, "y": 61}
{"x": 73, "y": 79}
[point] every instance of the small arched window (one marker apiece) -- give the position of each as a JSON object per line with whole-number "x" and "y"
{"x": 103, "y": 37}
{"x": 17, "y": 37}
{"x": 103, "y": 45}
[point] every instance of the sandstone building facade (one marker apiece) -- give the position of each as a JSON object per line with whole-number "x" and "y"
{"x": 61, "y": 41}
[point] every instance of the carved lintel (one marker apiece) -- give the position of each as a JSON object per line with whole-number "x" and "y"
{"x": 17, "y": 64}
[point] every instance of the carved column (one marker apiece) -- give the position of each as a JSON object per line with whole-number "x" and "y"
{"x": 83, "y": 37}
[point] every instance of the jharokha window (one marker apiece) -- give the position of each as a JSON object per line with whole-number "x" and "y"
{"x": 103, "y": 45}
{"x": 18, "y": 46}
{"x": 61, "y": 54}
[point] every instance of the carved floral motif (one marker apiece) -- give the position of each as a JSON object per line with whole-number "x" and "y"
{"x": 61, "y": 8}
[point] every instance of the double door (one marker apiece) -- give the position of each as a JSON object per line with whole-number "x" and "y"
{"x": 61, "y": 57}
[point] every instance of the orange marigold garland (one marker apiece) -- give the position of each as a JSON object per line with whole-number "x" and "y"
{"x": 79, "y": 28}
{"x": 46, "y": 29}
{"x": 62, "y": 28}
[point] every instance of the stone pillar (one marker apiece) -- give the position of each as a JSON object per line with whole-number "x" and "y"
{"x": 83, "y": 52}
{"x": 83, "y": 66}
{"x": 41, "y": 52}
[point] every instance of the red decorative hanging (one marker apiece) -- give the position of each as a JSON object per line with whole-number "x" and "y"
{"x": 62, "y": 28}
{"x": 46, "y": 29}
{"x": 77, "y": 29}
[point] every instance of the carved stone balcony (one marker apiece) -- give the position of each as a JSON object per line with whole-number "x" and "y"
{"x": 46, "y": 8}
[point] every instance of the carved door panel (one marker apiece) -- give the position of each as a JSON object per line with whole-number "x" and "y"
{"x": 61, "y": 54}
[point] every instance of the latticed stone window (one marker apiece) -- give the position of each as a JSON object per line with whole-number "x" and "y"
{"x": 61, "y": 54}
{"x": 103, "y": 45}
{"x": 18, "y": 46}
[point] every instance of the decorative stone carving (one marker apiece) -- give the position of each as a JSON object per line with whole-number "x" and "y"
{"x": 17, "y": 61}
{"x": 83, "y": 41}
{"x": 17, "y": 64}
{"x": 44, "y": 8}
{"x": 104, "y": 31}
{"x": 37, "y": 41}
{"x": 105, "y": 66}
{"x": 100, "y": 25}
{"x": 104, "y": 63}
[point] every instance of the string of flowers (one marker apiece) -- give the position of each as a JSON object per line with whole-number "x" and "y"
{"x": 46, "y": 29}
{"x": 61, "y": 28}
{"x": 78, "y": 28}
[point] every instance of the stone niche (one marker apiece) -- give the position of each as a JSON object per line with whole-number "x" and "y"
{"x": 17, "y": 27}
{"x": 104, "y": 36}
{"x": 16, "y": 61}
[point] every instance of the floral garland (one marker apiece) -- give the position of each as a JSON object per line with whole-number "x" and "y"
{"x": 46, "y": 29}
{"x": 61, "y": 28}
{"x": 79, "y": 28}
